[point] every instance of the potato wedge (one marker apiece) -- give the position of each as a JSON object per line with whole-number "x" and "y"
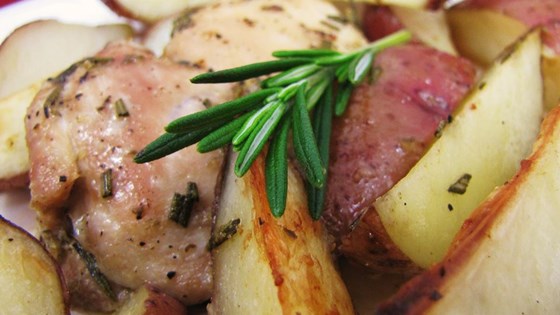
{"x": 30, "y": 281}
{"x": 272, "y": 265}
{"x": 505, "y": 258}
{"x": 158, "y": 35}
{"x": 148, "y": 300}
{"x": 151, "y": 11}
{"x": 480, "y": 149}
{"x": 13, "y": 149}
{"x": 481, "y": 35}
{"x": 428, "y": 26}
{"x": 40, "y": 49}
{"x": 551, "y": 74}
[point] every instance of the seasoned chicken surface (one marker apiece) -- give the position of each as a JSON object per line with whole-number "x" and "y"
{"x": 242, "y": 32}
{"x": 75, "y": 135}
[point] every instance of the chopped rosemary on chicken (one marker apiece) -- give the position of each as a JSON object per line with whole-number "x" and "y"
{"x": 305, "y": 83}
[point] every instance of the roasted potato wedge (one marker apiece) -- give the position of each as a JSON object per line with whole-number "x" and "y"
{"x": 158, "y": 35}
{"x": 480, "y": 149}
{"x": 505, "y": 258}
{"x": 272, "y": 265}
{"x": 551, "y": 74}
{"x": 30, "y": 281}
{"x": 482, "y": 34}
{"x": 13, "y": 150}
{"x": 40, "y": 49}
{"x": 428, "y": 26}
{"x": 148, "y": 300}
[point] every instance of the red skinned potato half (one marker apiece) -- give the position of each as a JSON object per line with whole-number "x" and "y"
{"x": 505, "y": 258}
{"x": 493, "y": 130}
{"x": 30, "y": 281}
{"x": 32, "y": 52}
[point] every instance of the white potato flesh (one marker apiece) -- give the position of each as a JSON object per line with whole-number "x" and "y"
{"x": 551, "y": 76}
{"x": 154, "y": 10}
{"x": 273, "y": 265}
{"x": 13, "y": 150}
{"x": 429, "y": 26}
{"x": 30, "y": 281}
{"x": 158, "y": 36}
{"x": 505, "y": 259}
{"x": 482, "y": 35}
{"x": 41, "y": 49}
{"x": 491, "y": 133}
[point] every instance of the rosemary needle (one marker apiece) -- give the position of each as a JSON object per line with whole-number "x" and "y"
{"x": 250, "y": 71}
{"x": 305, "y": 53}
{"x": 219, "y": 112}
{"x": 301, "y": 81}
{"x": 305, "y": 145}
{"x": 322, "y": 127}
{"x": 223, "y": 135}
{"x": 276, "y": 169}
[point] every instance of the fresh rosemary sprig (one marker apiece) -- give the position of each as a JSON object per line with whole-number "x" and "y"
{"x": 305, "y": 81}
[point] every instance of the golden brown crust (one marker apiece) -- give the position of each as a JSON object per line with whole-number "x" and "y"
{"x": 370, "y": 245}
{"x": 283, "y": 240}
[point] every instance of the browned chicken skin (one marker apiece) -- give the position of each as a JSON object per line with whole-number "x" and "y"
{"x": 79, "y": 136}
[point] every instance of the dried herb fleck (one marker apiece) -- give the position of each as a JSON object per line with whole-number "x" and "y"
{"x": 107, "y": 183}
{"x": 223, "y": 233}
{"x": 88, "y": 63}
{"x": 52, "y": 99}
{"x": 96, "y": 274}
{"x": 182, "y": 205}
{"x": 120, "y": 108}
{"x": 183, "y": 22}
{"x": 460, "y": 186}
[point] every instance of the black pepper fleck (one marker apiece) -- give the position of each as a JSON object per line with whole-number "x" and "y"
{"x": 435, "y": 295}
{"x": 171, "y": 274}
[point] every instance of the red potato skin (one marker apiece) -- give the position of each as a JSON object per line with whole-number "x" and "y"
{"x": 379, "y": 21}
{"x": 6, "y": 2}
{"x": 159, "y": 303}
{"x": 544, "y": 13}
{"x": 119, "y": 9}
{"x": 16, "y": 182}
{"x": 387, "y": 128}
{"x": 47, "y": 254}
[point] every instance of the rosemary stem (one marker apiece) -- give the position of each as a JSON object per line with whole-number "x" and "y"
{"x": 394, "y": 39}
